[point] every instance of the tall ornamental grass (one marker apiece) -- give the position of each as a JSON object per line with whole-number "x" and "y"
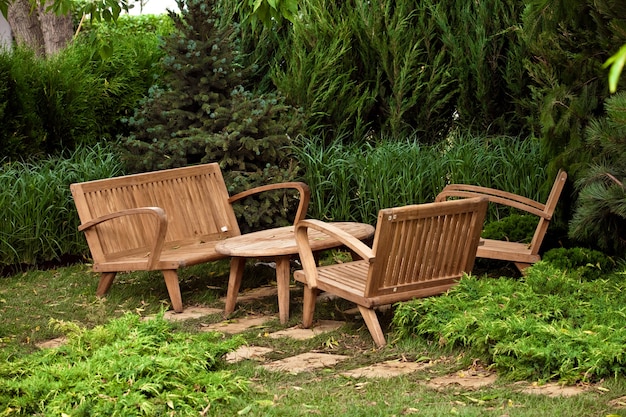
{"x": 38, "y": 219}
{"x": 353, "y": 182}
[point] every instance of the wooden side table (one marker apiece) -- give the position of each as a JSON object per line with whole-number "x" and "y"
{"x": 279, "y": 245}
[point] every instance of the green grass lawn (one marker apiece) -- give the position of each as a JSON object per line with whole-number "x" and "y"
{"x": 29, "y": 300}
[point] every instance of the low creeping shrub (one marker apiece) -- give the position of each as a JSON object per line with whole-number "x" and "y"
{"x": 129, "y": 367}
{"x": 590, "y": 264}
{"x": 550, "y": 324}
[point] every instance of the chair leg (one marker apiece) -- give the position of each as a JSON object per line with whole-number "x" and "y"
{"x": 173, "y": 289}
{"x": 521, "y": 267}
{"x": 371, "y": 321}
{"x": 308, "y": 308}
{"x": 106, "y": 279}
{"x": 237, "y": 266}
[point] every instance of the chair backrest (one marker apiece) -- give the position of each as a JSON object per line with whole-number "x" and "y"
{"x": 543, "y": 211}
{"x": 195, "y": 201}
{"x": 426, "y": 245}
{"x": 548, "y": 209}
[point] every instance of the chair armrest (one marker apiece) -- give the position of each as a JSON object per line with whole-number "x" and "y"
{"x": 302, "y": 188}
{"x": 306, "y": 254}
{"x": 159, "y": 236}
{"x": 494, "y": 196}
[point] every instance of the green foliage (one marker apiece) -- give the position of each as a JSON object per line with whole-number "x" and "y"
{"x": 200, "y": 112}
{"x": 616, "y": 62}
{"x": 268, "y": 12}
{"x": 487, "y": 56}
{"x": 129, "y": 367}
{"x": 39, "y": 222}
{"x": 568, "y": 41}
{"x": 513, "y": 228}
{"x": 551, "y": 324}
{"x": 354, "y": 181}
{"x": 146, "y": 30}
{"x": 272, "y": 208}
{"x": 359, "y": 67}
{"x": 74, "y": 98}
{"x": 600, "y": 214}
{"x": 589, "y": 264}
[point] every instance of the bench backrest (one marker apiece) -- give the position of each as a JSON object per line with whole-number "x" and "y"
{"x": 195, "y": 201}
{"x": 422, "y": 246}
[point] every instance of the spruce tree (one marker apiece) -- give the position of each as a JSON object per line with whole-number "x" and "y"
{"x": 600, "y": 215}
{"x": 201, "y": 112}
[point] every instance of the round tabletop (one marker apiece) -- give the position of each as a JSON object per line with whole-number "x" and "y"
{"x": 281, "y": 241}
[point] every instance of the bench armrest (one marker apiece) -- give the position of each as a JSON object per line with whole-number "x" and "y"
{"x": 494, "y": 196}
{"x": 306, "y": 254}
{"x": 159, "y": 237}
{"x": 302, "y": 188}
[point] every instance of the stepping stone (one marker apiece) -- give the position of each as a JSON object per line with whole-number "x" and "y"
{"x": 387, "y": 369}
{"x": 247, "y": 352}
{"x": 237, "y": 325}
{"x": 305, "y": 362}
{"x": 554, "y": 390}
{"x": 299, "y": 333}
{"x": 191, "y": 313}
{"x": 52, "y": 343}
{"x": 466, "y": 379}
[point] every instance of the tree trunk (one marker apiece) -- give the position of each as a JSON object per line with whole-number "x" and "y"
{"x": 25, "y": 26}
{"x": 57, "y": 30}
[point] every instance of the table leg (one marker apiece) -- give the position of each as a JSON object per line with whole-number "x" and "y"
{"x": 283, "y": 271}
{"x": 237, "y": 266}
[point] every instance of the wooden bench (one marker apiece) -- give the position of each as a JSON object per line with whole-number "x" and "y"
{"x": 162, "y": 220}
{"x": 521, "y": 254}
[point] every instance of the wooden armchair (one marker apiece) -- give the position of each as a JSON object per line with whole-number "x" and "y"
{"x": 418, "y": 251}
{"x": 521, "y": 254}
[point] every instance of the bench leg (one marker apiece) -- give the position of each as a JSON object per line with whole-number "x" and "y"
{"x": 373, "y": 325}
{"x": 106, "y": 279}
{"x": 308, "y": 307}
{"x": 173, "y": 289}
{"x": 237, "y": 266}
{"x": 283, "y": 271}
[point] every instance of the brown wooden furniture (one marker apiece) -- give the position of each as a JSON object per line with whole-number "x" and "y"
{"x": 162, "y": 220}
{"x": 279, "y": 245}
{"x": 521, "y": 254}
{"x": 418, "y": 251}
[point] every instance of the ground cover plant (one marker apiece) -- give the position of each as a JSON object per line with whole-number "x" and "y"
{"x": 127, "y": 367}
{"x": 29, "y": 300}
{"x": 551, "y": 324}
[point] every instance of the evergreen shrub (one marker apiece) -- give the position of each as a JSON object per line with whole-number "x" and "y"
{"x": 589, "y": 264}
{"x": 200, "y": 112}
{"x": 513, "y": 228}
{"x": 74, "y": 98}
{"x": 600, "y": 212}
